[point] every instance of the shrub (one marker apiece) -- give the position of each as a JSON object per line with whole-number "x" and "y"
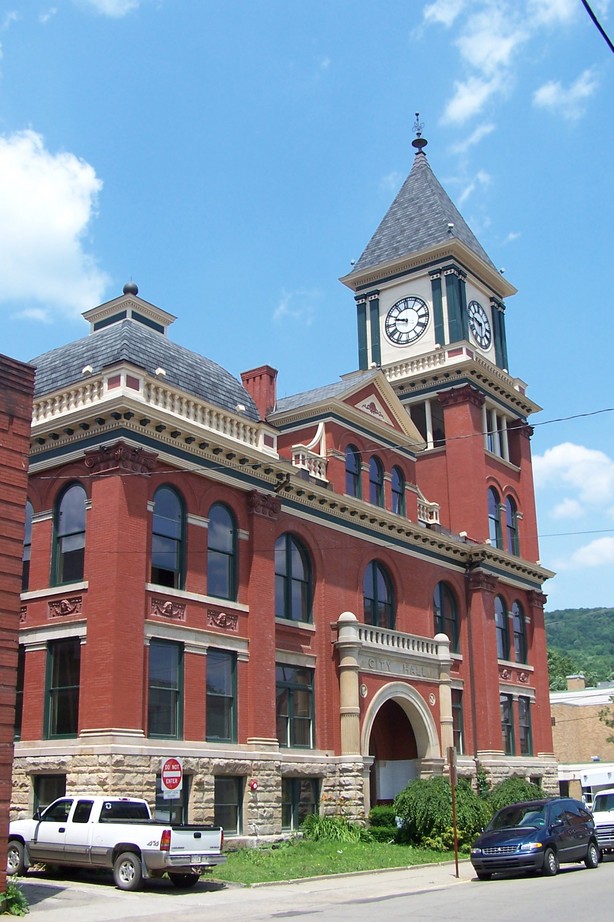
{"x": 382, "y": 824}
{"x": 512, "y": 790}
{"x": 330, "y": 829}
{"x": 425, "y": 809}
{"x": 14, "y": 900}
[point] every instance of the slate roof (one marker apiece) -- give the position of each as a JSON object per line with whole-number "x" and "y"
{"x": 131, "y": 341}
{"x": 309, "y": 398}
{"x": 417, "y": 219}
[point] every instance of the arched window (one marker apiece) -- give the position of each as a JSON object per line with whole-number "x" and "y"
{"x": 352, "y": 471}
{"x": 502, "y": 627}
{"x": 69, "y": 528}
{"x": 520, "y": 633}
{"x": 27, "y": 548}
{"x": 378, "y": 596}
{"x": 494, "y": 518}
{"x": 376, "y": 482}
{"x": 293, "y": 589}
{"x": 446, "y": 614}
{"x": 221, "y": 553}
{"x": 398, "y": 490}
{"x": 511, "y": 526}
{"x": 167, "y": 539}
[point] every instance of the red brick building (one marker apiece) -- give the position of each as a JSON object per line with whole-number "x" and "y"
{"x": 308, "y": 599}
{"x": 16, "y": 388}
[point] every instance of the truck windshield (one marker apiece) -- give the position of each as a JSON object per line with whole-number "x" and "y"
{"x": 603, "y": 802}
{"x": 117, "y": 811}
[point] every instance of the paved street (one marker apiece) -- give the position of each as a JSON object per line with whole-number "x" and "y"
{"x": 416, "y": 893}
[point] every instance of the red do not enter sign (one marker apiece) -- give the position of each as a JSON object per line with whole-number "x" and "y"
{"x": 172, "y": 774}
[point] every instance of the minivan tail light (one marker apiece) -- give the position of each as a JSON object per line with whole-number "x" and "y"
{"x": 165, "y": 841}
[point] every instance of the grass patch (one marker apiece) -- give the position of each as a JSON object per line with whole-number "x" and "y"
{"x": 304, "y": 858}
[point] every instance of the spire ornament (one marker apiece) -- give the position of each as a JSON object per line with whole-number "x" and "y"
{"x": 419, "y": 142}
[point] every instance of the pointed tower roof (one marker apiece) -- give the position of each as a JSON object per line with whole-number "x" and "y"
{"x": 419, "y": 218}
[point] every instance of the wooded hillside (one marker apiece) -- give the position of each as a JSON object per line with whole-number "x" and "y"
{"x": 580, "y": 640}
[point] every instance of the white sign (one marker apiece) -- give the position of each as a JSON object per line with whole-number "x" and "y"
{"x": 172, "y": 777}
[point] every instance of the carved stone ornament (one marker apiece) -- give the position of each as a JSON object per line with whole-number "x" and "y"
{"x": 505, "y": 673}
{"x": 227, "y": 621}
{"x": 460, "y": 395}
{"x": 60, "y": 608}
{"x": 23, "y": 614}
{"x": 166, "y": 608}
{"x": 523, "y": 677}
{"x": 262, "y": 504}
{"x": 120, "y": 457}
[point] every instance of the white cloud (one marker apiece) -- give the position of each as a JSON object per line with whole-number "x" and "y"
{"x": 296, "y": 306}
{"x": 114, "y": 8}
{"x": 481, "y": 178}
{"x": 552, "y": 11}
{"x": 47, "y": 15}
{"x": 512, "y": 236}
{"x": 47, "y": 202}
{"x": 588, "y": 471}
{"x": 470, "y": 97}
{"x": 443, "y": 11}
{"x": 567, "y": 102}
{"x": 391, "y": 182}
{"x": 490, "y": 38}
{"x": 568, "y": 509}
{"x": 597, "y": 553}
{"x": 482, "y": 131}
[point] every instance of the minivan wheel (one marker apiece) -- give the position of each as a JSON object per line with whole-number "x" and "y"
{"x": 484, "y": 875}
{"x": 592, "y": 856}
{"x": 551, "y": 863}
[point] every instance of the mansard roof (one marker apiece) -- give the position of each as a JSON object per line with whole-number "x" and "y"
{"x": 418, "y": 218}
{"x": 319, "y": 394}
{"x": 133, "y": 342}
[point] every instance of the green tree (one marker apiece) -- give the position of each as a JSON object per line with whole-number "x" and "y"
{"x": 606, "y": 716}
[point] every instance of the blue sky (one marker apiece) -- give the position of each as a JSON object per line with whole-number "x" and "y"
{"x": 234, "y": 157}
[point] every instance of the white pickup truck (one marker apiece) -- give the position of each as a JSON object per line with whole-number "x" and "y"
{"x": 116, "y": 833}
{"x": 603, "y": 814}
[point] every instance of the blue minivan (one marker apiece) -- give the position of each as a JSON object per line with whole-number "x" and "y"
{"x": 537, "y": 835}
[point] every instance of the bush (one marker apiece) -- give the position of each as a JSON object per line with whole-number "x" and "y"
{"x": 15, "y": 902}
{"x": 330, "y": 829}
{"x": 425, "y": 809}
{"x": 382, "y": 824}
{"x": 511, "y": 791}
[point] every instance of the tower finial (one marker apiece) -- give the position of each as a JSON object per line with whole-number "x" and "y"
{"x": 419, "y": 142}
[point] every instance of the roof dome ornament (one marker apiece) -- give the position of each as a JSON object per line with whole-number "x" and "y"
{"x": 419, "y": 142}
{"x": 131, "y": 288}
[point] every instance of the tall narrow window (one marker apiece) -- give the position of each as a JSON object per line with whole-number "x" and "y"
{"x": 378, "y": 596}
{"x": 446, "y": 614}
{"x": 511, "y": 526}
{"x": 457, "y": 720}
{"x": 376, "y": 482}
{"x": 293, "y": 590}
{"x": 221, "y": 695}
{"x": 299, "y": 799}
{"x": 21, "y": 666}
{"x": 524, "y": 720}
{"x": 27, "y": 548}
{"x": 174, "y": 809}
{"x": 228, "y": 803}
{"x": 294, "y": 706}
{"x": 165, "y": 705}
{"x": 69, "y": 528}
{"x": 507, "y": 724}
{"x": 520, "y": 633}
{"x": 352, "y": 471}
{"x": 63, "y": 679}
{"x": 221, "y": 553}
{"x": 167, "y": 539}
{"x": 502, "y": 628}
{"x": 398, "y": 490}
{"x": 494, "y": 518}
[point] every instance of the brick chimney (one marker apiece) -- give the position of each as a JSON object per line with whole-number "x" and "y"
{"x": 576, "y": 682}
{"x": 261, "y": 385}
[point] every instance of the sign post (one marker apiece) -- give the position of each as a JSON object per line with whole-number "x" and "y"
{"x": 452, "y": 767}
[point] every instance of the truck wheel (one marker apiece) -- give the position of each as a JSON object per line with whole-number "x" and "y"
{"x": 184, "y": 880}
{"x": 15, "y": 863}
{"x": 127, "y": 872}
{"x": 592, "y": 856}
{"x": 551, "y": 863}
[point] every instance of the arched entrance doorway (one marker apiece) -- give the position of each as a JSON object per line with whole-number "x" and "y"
{"x": 399, "y": 734}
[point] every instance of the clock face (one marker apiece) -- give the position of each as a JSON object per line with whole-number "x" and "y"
{"x": 479, "y": 324}
{"x": 406, "y": 321}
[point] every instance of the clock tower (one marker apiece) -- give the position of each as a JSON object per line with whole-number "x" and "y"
{"x": 431, "y": 313}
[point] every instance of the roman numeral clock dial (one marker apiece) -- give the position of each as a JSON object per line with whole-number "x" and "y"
{"x": 479, "y": 324}
{"x": 406, "y": 321}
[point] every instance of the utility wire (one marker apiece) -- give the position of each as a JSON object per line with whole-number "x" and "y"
{"x": 598, "y": 25}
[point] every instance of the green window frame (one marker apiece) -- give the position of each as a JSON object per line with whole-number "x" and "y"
{"x": 378, "y": 596}
{"x": 221, "y": 553}
{"x": 295, "y": 706}
{"x": 228, "y": 803}
{"x": 458, "y": 727}
{"x": 502, "y": 628}
{"x": 494, "y": 519}
{"x": 19, "y": 685}
{"x": 524, "y": 721}
{"x": 520, "y": 633}
{"x": 68, "y": 561}
{"x": 507, "y": 724}
{"x": 376, "y": 482}
{"x": 446, "y": 614}
{"x": 397, "y": 486}
{"x": 299, "y": 799}
{"x": 168, "y": 538}
{"x": 511, "y": 526}
{"x": 165, "y": 698}
{"x": 353, "y": 471}
{"x": 293, "y": 580}
{"x": 62, "y": 688}
{"x": 46, "y": 789}
{"x": 172, "y": 809}
{"x": 221, "y": 710}
{"x": 27, "y": 548}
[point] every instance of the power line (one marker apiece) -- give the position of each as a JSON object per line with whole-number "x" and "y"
{"x": 598, "y": 25}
